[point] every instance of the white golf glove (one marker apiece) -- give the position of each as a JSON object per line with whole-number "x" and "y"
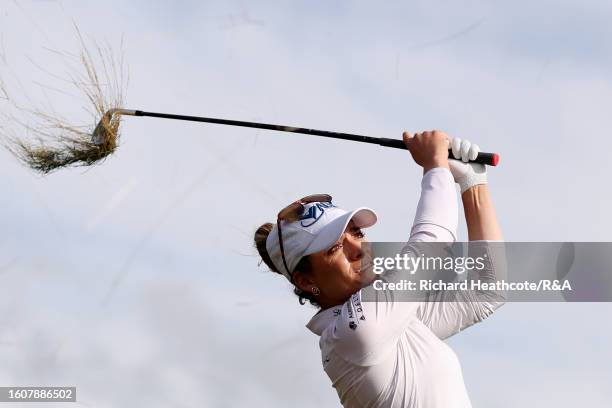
{"x": 466, "y": 174}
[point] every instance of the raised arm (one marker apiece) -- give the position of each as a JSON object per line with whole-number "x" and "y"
{"x": 436, "y": 218}
{"x": 364, "y": 340}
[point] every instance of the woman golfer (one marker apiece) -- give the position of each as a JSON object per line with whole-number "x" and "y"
{"x": 391, "y": 356}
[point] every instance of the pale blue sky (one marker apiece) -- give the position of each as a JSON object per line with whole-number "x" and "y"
{"x": 192, "y": 320}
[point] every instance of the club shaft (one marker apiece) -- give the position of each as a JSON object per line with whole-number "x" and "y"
{"x": 484, "y": 158}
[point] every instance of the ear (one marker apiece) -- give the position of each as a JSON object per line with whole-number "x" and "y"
{"x": 303, "y": 281}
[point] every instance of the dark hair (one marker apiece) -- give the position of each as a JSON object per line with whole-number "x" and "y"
{"x": 261, "y": 235}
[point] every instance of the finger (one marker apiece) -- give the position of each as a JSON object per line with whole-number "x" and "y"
{"x": 456, "y": 147}
{"x": 407, "y": 136}
{"x": 474, "y": 150}
{"x": 465, "y": 149}
{"x": 408, "y": 139}
{"x": 440, "y": 133}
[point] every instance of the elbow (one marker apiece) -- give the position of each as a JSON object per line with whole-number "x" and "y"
{"x": 486, "y": 308}
{"x": 431, "y": 232}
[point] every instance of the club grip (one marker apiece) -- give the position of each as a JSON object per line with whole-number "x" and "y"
{"x": 490, "y": 159}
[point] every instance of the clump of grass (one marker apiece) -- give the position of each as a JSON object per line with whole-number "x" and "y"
{"x": 71, "y": 147}
{"x": 57, "y": 143}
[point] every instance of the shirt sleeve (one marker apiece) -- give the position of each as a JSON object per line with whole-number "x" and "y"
{"x": 364, "y": 332}
{"x": 436, "y": 218}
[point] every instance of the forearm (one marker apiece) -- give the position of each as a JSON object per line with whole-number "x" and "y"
{"x": 480, "y": 215}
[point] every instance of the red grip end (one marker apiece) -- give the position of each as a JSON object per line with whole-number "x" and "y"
{"x": 496, "y": 158}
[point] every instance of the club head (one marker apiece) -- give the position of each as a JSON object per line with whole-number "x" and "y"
{"x": 99, "y": 135}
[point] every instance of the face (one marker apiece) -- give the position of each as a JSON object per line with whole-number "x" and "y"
{"x": 337, "y": 271}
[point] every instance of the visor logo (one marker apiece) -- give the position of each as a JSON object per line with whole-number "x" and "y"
{"x": 314, "y": 213}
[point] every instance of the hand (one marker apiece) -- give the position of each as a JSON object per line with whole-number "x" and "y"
{"x": 466, "y": 174}
{"x": 428, "y": 149}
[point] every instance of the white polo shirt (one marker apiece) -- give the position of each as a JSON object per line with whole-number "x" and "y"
{"x": 391, "y": 354}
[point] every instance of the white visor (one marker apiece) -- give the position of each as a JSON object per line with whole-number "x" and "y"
{"x": 319, "y": 227}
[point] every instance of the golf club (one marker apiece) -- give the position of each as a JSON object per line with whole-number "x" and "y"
{"x": 100, "y": 132}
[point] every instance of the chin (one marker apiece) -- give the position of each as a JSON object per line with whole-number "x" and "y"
{"x": 366, "y": 276}
{"x": 367, "y": 279}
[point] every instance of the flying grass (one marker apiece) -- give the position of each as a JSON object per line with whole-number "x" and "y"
{"x": 45, "y": 141}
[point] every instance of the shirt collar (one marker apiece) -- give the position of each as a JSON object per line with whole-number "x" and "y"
{"x": 323, "y": 319}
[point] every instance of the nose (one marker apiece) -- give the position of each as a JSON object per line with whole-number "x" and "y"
{"x": 352, "y": 248}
